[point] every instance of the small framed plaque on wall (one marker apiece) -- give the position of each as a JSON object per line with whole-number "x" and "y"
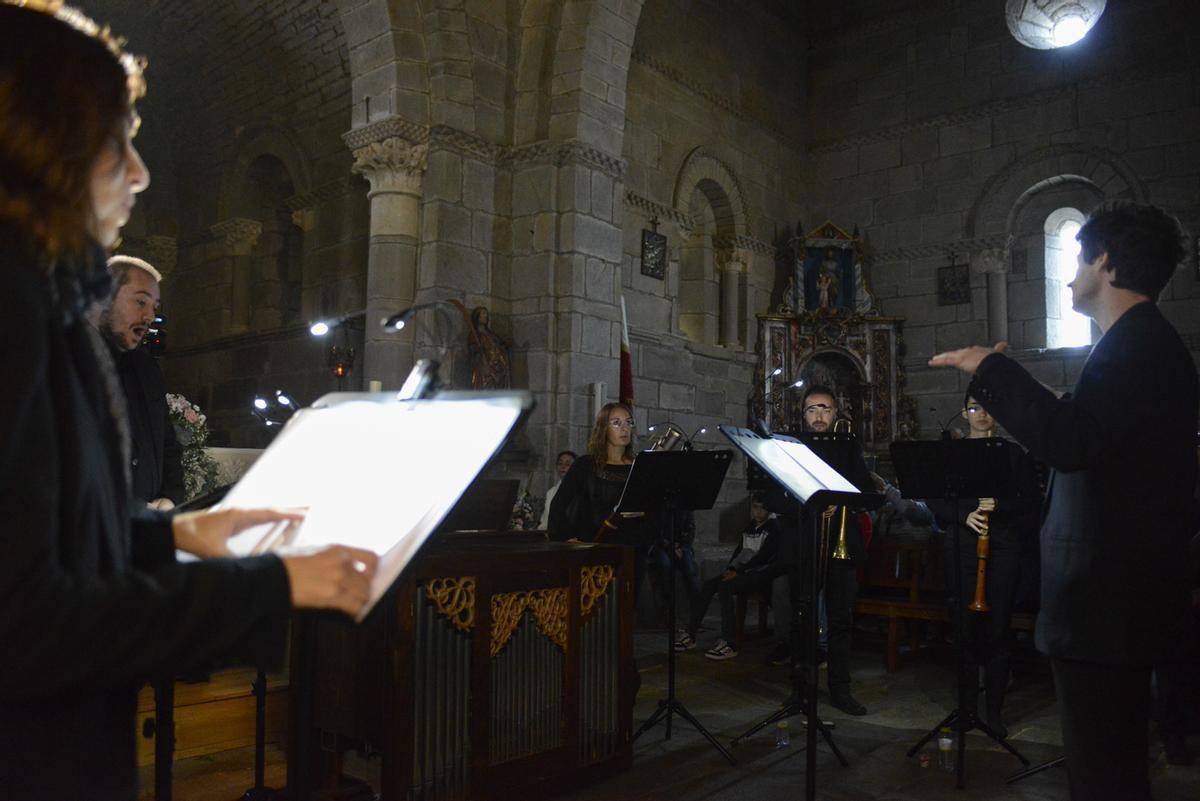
{"x": 654, "y": 254}
{"x": 953, "y": 284}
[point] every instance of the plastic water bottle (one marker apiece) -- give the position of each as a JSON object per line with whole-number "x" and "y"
{"x": 782, "y": 737}
{"x": 946, "y": 750}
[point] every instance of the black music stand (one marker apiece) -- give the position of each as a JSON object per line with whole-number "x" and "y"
{"x": 815, "y": 486}
{"x": 674, "y": 481}
{"x": 952, "y": 469}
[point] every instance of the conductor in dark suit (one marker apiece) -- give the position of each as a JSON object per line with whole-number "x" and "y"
{"x": 124, "y": 320}
{"x": 1114, "y": 540}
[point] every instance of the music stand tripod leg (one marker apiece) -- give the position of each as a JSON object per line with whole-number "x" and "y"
{"x": 164, "y": 737}
{"x": 670, "y": 705}
{"x": 1027, "y": 772}
{"x": 929, "y": 735}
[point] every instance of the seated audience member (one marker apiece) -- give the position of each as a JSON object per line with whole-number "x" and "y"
{"x": 561, "y": 465}
{"x": 750, "y": 569}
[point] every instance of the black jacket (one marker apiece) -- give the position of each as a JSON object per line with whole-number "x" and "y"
{"x": 92, "y": 602}
{"x": 1122, "y": 447}
{"x": 764, "y": 557}
{"x": 157, "y": 469}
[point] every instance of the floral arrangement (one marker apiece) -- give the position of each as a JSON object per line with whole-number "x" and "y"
{"x": 191, "y": 429}
{"x": 527, "y": 512}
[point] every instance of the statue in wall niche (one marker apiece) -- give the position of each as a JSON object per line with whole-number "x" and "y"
{"x": 826, "y": 291}
{"x": 785, "y": 302}
{"x": 863, "y": 302}
{"x": 827, "y": 281}
{"x": 491, "y": 364}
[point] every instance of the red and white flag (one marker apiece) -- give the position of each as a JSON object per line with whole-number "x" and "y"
{"x": 626, "y": 360}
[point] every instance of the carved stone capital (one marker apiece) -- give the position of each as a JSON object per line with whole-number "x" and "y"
{"x": 239, "y": 234}
{"x": 305, "y": 219}
{"x": 392, "y": 165}
{"x": 161, "y": 251}
{"x": 991, "y": 260}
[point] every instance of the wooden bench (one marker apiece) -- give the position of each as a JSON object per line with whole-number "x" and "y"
{"x": 213, "y": 716}
{"x": 904, "y": 582}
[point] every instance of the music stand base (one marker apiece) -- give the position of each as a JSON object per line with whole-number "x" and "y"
{"x": 673, "y": 706}
{"x": 790, "y": 709}
{"x": 970, "y": 722}
{"x": 1027, "y": 772}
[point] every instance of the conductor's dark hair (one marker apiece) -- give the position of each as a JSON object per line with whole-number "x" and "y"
{"x": 1144, "y": 244}
{"x": 817, "y": 389}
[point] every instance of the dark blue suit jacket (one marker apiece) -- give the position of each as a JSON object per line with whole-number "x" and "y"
{"x": 1123, "y": 451}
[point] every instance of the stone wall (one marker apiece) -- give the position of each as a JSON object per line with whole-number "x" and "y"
{"x": 313, "y": 158}
{"x": 938, "y": 134}
{"x": 251, "y": 184}
{"x": 713, "y": 138}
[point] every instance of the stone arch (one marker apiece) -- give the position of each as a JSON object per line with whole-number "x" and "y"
{"x": 270, "y": 169}
{"x": 274, "y": 142}
{"x": 703, "y": 169}
{"x": 1011, "y": 208}
{"x": 992, "y": 213}
{"x": 537, "y": 34}
{"x": 593, "y": 48}
{"x": 710, "y": 283}
{"x": 452, "y": 64}
{"x": 389, "y": 62}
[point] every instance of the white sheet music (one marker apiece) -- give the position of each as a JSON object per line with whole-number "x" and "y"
{"x": 373, "y": 474}
{"x": 792, "y": 464}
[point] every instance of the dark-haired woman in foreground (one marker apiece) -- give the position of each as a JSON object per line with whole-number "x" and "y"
{"x": 92, "y": 600}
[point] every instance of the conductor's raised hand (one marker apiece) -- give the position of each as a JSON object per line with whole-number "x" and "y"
{"x": 966, "y": 359}
{"x": 206, "y": 534}
{"x": 337, "y": 577}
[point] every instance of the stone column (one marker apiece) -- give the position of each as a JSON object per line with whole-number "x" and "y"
{"x": 731, "y": 276}
{"x": 239, "y": 236}
{"x": 994, "y": 263}
{"x": 395, "y": 169}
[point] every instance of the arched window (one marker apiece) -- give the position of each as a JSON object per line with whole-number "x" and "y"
{"x": 1065, "y": 327}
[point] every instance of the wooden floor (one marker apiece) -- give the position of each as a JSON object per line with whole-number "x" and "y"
{"x": 224, "y": 776}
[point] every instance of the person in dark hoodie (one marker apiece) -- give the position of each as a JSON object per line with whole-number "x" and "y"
{"x": 751, "y": 568}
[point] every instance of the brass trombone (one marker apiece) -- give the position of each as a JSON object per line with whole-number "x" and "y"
{"x": 840, "y": 551}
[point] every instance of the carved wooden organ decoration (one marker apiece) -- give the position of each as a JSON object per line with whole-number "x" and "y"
{"x": 826, "y": 329}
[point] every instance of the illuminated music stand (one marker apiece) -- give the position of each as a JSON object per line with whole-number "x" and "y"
{"x": 674, "y": 481}
{"x": 348, "y": 459}
{"x": 815, "y": 485}
{"x": 953, "y": 469}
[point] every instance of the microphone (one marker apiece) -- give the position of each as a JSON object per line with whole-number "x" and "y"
{"x": 403, "y": 317}
{"x": 946, "y": 432}
{"x": 423, "y": 380}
